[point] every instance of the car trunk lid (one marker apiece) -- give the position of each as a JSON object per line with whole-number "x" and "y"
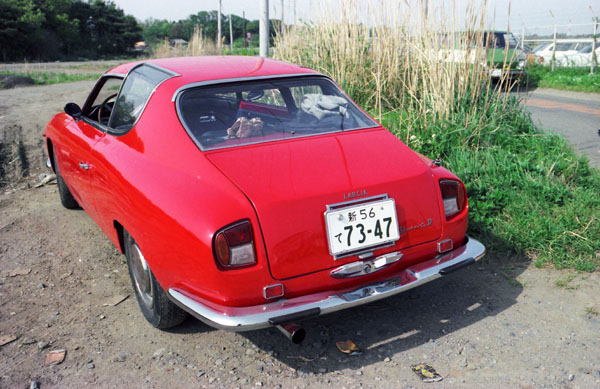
{"x": 290, "y": 184}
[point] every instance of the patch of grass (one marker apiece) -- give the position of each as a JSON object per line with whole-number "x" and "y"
{"x": 528, "y": 191}
{"x": 250, "y": 51}
{"x": 513, "y": 281}
{"x": 564, "y": 282}
{"x": 567, "y": 78}
{"x": 591, "y": 311}
{"x": 45, "y": 78}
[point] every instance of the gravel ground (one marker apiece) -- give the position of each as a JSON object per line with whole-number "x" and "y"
{"x": 501, "y": 322}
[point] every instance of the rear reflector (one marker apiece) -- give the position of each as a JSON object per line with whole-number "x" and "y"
{"x": 273, "y": 291}
{"x": 444, "y": 245}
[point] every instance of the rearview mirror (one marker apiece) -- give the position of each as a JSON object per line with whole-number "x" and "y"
{"x": 73, "y": 110}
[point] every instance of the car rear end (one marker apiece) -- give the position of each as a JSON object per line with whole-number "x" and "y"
{"x": 344, "y": 213}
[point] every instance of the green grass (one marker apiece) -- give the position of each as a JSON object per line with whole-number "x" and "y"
{"x": 46, "y": 78}
{"x": 591, "y": 311}
{"x": 564, "y": 282}
{"x": 572, "y": 78}
{"x": 528, "y": 191}
{"x": 250, "y": 51}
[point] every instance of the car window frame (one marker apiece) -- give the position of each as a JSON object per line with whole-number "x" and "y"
{"x": 92, "y": 97}
{"x": 179, "y": 93}
{"x": 168, "y": 72}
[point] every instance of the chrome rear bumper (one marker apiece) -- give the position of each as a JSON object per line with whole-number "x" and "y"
{"x": 281, "y": 311}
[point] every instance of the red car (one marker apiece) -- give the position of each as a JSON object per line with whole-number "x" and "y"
{"x": 251, "y": 192}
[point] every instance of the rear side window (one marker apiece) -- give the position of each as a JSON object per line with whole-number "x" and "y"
{"x": 267, "y": 110}
{"x": 136, "y": 90}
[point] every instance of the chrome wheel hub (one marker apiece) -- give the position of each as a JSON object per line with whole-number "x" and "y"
{"x": 141, "y": 276}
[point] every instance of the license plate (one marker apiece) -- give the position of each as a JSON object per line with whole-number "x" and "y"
{"x": 361, "y": 226}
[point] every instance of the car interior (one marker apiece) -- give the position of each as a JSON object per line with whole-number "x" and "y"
{"x": 280, "y": 109}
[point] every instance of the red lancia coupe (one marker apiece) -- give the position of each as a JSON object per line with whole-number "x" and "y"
{"x": 254, "y": 193}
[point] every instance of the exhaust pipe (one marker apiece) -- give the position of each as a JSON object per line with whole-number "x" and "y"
{"x": 293, "y": 332}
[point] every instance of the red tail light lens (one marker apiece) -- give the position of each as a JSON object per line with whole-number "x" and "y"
{"x": 454, "y": 197}
{"x": 234, "y": 245}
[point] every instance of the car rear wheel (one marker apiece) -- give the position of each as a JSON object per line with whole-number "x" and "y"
{"x": 152, "y": 299}
{"x": 66, "y": 198}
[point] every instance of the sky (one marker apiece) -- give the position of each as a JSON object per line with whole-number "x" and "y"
{"x": 536, "y": 16}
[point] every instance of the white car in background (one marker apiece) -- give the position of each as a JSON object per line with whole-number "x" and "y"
{"x": 563, "y": 49}
{"x": 581, "y": 58}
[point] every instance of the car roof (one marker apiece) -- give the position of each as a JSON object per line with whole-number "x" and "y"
{"x": 197, "y": 69}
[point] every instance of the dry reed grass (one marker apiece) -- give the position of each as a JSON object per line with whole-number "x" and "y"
{"x": 388, "y": 54}
{"x": 197, "y": 45}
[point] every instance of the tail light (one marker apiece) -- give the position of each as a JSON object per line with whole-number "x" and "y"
{"x": 234, "y": 245}
{"x": 453, "y": 195}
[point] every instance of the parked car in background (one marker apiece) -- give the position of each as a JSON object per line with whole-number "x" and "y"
{"x": 499, "y": 52}
{"x": 539, "y": 47}
{"x": 253, "y": 193}
{"x": 505, "y": 57}
{"x": 583, "y": 57}
{"x": 563, "y": 49}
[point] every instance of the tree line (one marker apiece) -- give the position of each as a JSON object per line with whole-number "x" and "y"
{"x": 155, "y": 30}
{"x": 57, "y": 29}
{"x": 43, "y": 30}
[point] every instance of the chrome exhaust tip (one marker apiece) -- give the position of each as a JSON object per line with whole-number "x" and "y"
{"x": 293, "y": 332}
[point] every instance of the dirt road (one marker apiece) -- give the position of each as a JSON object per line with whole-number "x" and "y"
{"x": 501, "y": 322}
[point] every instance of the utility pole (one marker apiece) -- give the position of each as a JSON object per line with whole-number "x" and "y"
{"x": 294, "y": 13}
{"x": 264, "y": 28}
{"x": 219, "y": 27}
{"x": 594, "y": 56}
{"x": 553, "y": 42}
{"x": 244, "y": 27}
{"x": 282, "y": 26}
{"x": 230, "y": 33}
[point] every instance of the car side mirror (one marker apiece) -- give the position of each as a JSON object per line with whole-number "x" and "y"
{"x": 73, "y": 110}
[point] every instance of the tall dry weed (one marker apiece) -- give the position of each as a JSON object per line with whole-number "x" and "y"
{"x": 197, "y": 45}
{"x": 389, "y": 54}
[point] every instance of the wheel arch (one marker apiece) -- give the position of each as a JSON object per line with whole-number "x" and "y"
{"x": 120, "y": 235}
{"x": 50, "y": 148}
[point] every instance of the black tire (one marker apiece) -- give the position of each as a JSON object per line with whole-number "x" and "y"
{"x": 152, "y": 299}
{"x": 66, "y": 198}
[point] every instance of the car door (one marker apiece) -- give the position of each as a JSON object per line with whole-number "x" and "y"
{"x": 115, "y": 154}
{"x": 80, "y": 167}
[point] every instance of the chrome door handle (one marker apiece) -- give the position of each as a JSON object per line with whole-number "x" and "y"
{"x": 83, "y": 165}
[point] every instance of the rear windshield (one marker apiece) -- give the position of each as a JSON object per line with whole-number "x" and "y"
{"x": 234, "y": 114}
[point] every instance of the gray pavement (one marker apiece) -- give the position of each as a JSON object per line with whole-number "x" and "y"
{"x": 574, "y": 115}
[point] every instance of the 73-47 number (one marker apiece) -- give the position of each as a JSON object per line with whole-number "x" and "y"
{"x": 378, "y": 231}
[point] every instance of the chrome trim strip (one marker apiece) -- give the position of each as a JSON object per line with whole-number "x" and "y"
{"x": 336, "y": 206}
{"x": 256, "y": 317}
{"x": 120, "y": 75}
{"x": 241, "y": 79}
